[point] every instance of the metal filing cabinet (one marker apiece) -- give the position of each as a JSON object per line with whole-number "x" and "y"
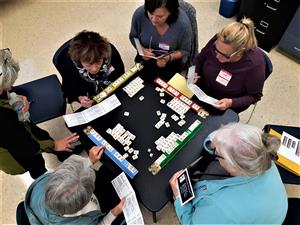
{"x": 271, "y": 18}
{"x": 290, "y": 41}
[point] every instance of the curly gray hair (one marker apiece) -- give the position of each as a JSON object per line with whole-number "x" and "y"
{"x": 246, "y": 147}
{"x": 9, "y": 69}
{"x": 70, "y": 186}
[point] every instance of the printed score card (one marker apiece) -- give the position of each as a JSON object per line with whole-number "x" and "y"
{"x": 185, "y": 187}
{"x": 131, "y": 209}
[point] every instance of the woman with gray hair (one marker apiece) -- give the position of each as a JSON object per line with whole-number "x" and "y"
{"x": 254, "y": 194}
{"x": 66, "y": 195}
{"x": 22, "y": 142}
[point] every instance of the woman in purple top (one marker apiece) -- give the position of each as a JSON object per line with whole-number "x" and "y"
{"x": 231, "y": 67}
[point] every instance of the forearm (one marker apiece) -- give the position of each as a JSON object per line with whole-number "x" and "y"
{"x": 47, "y": 145}
{"x": 175, "y": 56}
{"x": 245, "y": 100}
{"x": 108, "y": 219}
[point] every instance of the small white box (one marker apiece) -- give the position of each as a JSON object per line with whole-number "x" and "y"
{"x": 126, "y": 113}
{"x": 141, "y": 98}
{"x": 162, "y": 101}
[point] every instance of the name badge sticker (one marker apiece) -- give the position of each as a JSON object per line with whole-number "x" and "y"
{"x": 164, "y": 46}
{"x": 224, "y": 77}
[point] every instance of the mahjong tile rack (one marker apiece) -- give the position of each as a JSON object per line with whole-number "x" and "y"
{"x": 111, "y": 152}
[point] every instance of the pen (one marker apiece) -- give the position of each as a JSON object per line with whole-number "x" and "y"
{"x": 150, "y": 43}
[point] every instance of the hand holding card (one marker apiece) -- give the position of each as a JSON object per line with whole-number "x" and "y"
{"x": 185, "y": 188}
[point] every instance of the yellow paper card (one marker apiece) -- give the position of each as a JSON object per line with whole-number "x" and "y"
{"x": 180, "y": 84}
{"x": 283, "y": 161}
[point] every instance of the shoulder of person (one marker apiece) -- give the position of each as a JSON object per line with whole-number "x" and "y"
{"x": 183, "y": 18}
{"x": 139, "y": 12}
{"x": 255, "y": 56}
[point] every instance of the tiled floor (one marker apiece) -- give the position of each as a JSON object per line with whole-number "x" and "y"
{"x": 33, "y": 30}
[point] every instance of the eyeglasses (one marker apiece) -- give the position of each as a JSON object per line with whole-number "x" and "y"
{"x": 217, "y": 156}
{"x": 223, "y": 54}
{"x": 207, "y": 145}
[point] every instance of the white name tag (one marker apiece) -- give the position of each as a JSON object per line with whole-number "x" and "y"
{"x": 224, "y": 77}
{"x": 164, "y": 46}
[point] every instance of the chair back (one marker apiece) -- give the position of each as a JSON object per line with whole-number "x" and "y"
{"x": 269, "y": 65}
{"x": 46, "y": 97}
{"x": 292, "y": 216}
{"x": 21, "y": 216}
{"x": 58, "y": 55}
{"x": 191, "y": 13}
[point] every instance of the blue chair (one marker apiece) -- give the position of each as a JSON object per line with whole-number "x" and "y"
{"x": 46, "y": 97}
{"x": 59, "y": 61}
{"x": 190, "y": 10}
{"x": 21, "y": 216}
{"x": 293, "y": 216}
{"x": 268, "y": 72}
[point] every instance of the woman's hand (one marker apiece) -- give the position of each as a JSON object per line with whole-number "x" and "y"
{"x": 147, "y": 54}
{"x": 119, "y": 208}
{"x": 65, "y": 143}
{"x": 95, "y": 153}
{"x": 224, "y": 103}
{"x": 85, "y": 101}
{"x": 25, "y": 103}
{"x": 162, "y": 62}
{"x": 173, "y": 184}
{"x": 196, "y": 78}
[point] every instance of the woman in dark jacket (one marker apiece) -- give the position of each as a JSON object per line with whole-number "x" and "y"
{"x": 22, "y": 142}
{"x": 88, "y": 64}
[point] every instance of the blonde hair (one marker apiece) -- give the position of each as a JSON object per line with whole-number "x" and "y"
{"x": 246, "y": 147}
{"x": 239, "y": 35}
{"x": 9, "y": 69}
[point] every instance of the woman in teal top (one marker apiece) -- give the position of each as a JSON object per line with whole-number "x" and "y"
{"x": 254, "y": 194}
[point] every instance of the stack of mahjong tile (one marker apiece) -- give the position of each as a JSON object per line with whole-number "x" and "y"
{"x": 178, "y": 106}
{"x": 162, "y": 120}
{"x": 134, "y": 87}
{"x": 168, "y": 144}
{"x": 122, "y": 135}
{"x": 133, "y": 152}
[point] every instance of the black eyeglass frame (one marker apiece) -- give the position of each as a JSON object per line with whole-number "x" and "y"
{"x": 216, "y": 155}
{"x": 222, "y": 54}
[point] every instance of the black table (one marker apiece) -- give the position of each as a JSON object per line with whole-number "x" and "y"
{"x": 286, "y": 176}
{"x": 152, "y": 191}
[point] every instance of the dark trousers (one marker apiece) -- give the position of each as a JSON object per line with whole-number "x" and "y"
{"x": 105, "y": 192}
{"x": 151, "y": 70}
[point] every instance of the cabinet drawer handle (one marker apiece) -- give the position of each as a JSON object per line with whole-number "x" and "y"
{"x": 272, "y": 8}
{"x": 298, "y": 49}
{"x": 263, "y": 33}
{"x": 264, "y": 24}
